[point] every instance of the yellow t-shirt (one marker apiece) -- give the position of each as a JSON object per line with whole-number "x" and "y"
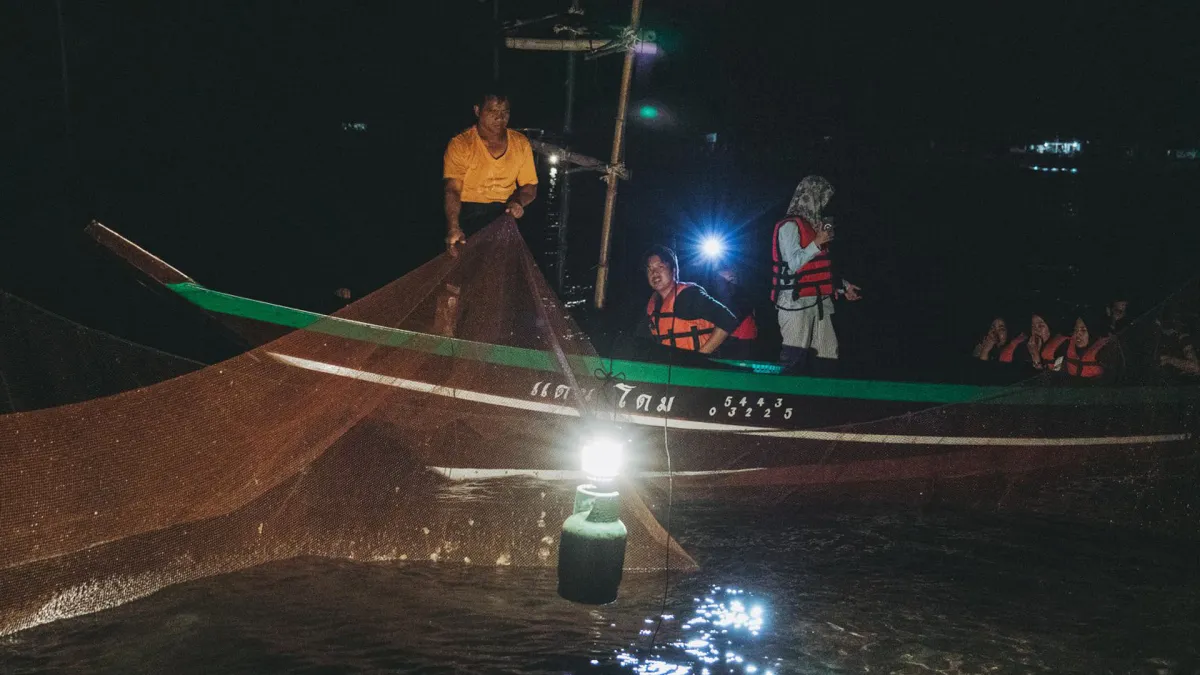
{"x": 484, "y": 178}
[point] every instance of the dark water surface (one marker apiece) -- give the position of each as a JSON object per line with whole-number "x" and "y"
{"x": 795, "y": 592}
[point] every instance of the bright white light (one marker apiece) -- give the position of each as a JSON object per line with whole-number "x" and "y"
{"x": 554, "y": 159}
{"x": 712, "y": 247}
{"x": 602, "y": 459}
{"x": 553, "y": 172}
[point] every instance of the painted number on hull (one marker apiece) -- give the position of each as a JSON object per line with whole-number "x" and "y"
{"x": 762, "y": 408}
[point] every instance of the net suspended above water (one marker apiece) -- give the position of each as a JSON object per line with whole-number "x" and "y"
{"x": 255, "y": 459}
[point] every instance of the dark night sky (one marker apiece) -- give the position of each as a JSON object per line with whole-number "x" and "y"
{"x": 962, "y": 70}
{"x": 185, "y": 114}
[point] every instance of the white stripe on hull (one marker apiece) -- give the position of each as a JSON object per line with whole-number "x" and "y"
{"x": 454, "y": 473}
{"x": 897, "y": 439}
{"x": 675, "y": 423}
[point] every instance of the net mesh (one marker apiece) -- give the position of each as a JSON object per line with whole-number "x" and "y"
{"x": 317, "y": 443}
{"x": 439, "y": 420}
{"x": 46, "y": 360}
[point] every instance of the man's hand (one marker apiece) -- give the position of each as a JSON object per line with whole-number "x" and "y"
{"x": 454, "y": 236}
{"x": 851, "y": 291}
{"x": 514, "y": 209}
{"x": 823, "y": 237}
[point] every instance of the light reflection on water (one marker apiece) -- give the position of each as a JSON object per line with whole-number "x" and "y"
{"x": 718, "y": 636}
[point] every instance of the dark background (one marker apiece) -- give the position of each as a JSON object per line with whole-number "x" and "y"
{"x": 212, "y": 134}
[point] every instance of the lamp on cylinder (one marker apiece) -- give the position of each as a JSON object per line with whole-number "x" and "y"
{"x": 591, "y": 550}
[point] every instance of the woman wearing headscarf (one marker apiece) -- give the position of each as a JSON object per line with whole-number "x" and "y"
{"x": 803, "y": 284}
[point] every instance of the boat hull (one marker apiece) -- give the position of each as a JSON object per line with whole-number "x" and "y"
{"x": 706, "y": 432}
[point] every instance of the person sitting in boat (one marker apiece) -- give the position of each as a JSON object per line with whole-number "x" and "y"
{"x": 803, "y": 283}
{"x": 728, "y": 291}
{"x": 993, "y": 343}
{"x": 681, "y": 314}
{"x": 488, "y": 170}
{"x": 1117, "y": 312}
{"x": 1041, "y": 349}
{"x": 1176, "y": 349}
{"x": 1094, "y": 358}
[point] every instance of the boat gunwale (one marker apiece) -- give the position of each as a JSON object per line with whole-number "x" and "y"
{"x": 663, "y": 374}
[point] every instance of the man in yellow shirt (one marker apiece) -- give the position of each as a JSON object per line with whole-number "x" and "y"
{"x": 488, "y": 171}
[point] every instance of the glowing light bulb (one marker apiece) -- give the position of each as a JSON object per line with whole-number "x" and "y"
{"x": 602, "y": 459}
{"x": 712, "y": 247}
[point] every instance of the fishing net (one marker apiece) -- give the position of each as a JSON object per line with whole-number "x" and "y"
{"x": 46, "y": 360}
{"x": 337, "y": 439}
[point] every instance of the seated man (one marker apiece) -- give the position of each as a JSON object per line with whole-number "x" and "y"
{"x": 680, "y": 314}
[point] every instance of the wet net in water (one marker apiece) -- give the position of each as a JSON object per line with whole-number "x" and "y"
{"x": 316, "y": 443}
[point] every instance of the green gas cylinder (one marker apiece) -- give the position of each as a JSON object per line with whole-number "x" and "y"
{"x": 591, "y": 551}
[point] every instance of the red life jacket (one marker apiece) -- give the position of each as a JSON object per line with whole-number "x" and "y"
{"x": 746, "y": 330}
{"x": 1086, "y": 365}
{"x": 690, "y": 334}
{"x": 814, "y": 278}
{"x": 1006, "y": 354}
{"x": 1050, "y": 350}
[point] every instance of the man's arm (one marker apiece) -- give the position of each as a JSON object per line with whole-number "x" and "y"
{"x": 718, "y": 336}
{"x": 696, "y": 302}
{"x": 523, "y": 197}
{"x": 452, "y": 198}
{"x": 527, "y": 179}
{"x": 454, "y": 170}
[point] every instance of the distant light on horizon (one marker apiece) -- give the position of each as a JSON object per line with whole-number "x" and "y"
{"x": 354, "y": 126}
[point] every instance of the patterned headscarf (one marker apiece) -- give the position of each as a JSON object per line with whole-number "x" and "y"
{"x": 811, "y": 195}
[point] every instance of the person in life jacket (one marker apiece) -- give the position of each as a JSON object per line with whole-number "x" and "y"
{"x": 994, "y": 342}
{"x": 1041, "y": 349}
{"x": 803, "y": 283}
{"x": 727, "y": 290}
{"x": 1090, "y": 357}
{"x": 680, "y": 314}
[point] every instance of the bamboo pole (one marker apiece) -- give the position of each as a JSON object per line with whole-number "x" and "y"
{"x": 610, "y": 197}
{"x": 545, "y": 45}
{"x": 564, "y": 213}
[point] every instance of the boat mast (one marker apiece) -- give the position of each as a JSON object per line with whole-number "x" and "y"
{"x": 564, "y": 210}
{"x": 614, "y": 170}
{"x": 610, "y": 197}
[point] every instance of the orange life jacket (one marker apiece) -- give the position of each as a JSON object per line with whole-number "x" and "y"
{"x": 1086, "y": 365}
{"x": 1006, "y": 354}
{"x": 747, "y": 329}
{"x": 671, "y": 330}
{"x": 814, "y": 278}
{"x": 1050, "y": 350}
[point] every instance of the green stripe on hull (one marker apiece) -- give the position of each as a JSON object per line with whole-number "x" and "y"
{"x": 656, "y": 373}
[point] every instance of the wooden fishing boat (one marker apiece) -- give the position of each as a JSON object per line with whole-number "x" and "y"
{"x": 743, "y": 426}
